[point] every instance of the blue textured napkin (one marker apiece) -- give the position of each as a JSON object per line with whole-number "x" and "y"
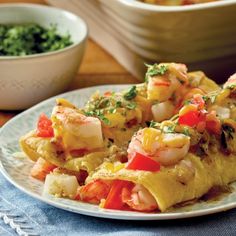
{"x": 42, "y": 219}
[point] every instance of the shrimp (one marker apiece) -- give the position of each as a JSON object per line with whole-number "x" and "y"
{"x": 135, "y": 196}
{"x": 94, "y": 191}
{"x": 162, "y": 111}
{"x": 165, "y": 148}
{"x": 221, "y": 112}
{"x": 230, "y": 82}
{"x": 163, "y": 87}
{"x": 76, "y": 131}
{"x": 138, "y": 198}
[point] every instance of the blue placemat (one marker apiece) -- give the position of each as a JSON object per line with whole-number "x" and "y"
{"x": 36, "y": 218}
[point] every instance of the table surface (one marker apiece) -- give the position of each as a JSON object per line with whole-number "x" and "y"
{"x": 98, "y": 67}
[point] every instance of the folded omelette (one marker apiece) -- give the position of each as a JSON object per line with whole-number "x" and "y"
{"x": 157, "y": 144}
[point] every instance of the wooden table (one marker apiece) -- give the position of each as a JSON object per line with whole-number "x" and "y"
{"x": 98, "y": 67}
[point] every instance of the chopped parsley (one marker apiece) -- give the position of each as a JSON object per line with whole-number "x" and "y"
{"x": 211, "y": 98}
{"x": 99, "y": 114}
{"x": 169, "y": 129}
{"x": 155, "y": 69}
{"x": 131, "y": 105}
{"x": 205, "y": 98}
{"x": 104, "y": 103}
{"x": 187, "y": 102}
{"x": 101, "y": 105}
{"x": 153, "y": 124}
{"x": 131, "y": 94}
{"x": 186, "y": 131}
{"x": 28, "y": 39}
{"x": 118, "y": 104}
{"x": 112, "y": 110}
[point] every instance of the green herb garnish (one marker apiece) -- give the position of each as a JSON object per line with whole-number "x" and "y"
{"x": 153, "y": 124}
{"x": 112, "y": 110}
{"x": 118, "y": 104}
{"x": 205, "y": 98}
{"x": 131, "y": 106}
{"x": 155, "y": 69}
{"x": 99, "y": 114}
{"x": 169, "y": 129}
{"x": 211, "y": 98}
{"x": 28, "y": 39}
{"x": 132, "y": 93}
{"x": 186, "y": 131}
{"x": 187, "y": 102}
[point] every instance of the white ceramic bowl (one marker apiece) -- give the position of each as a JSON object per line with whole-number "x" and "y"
{"x": 26, "y": 80}
{"x": 202, "y": 35}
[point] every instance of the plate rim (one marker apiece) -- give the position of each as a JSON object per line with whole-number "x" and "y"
{"x": 101, "y": 213}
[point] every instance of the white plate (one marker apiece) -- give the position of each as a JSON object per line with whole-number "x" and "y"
{"x": 16, "y": 169}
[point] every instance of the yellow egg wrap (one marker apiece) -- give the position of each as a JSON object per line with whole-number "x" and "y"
{"x": 35, "y": 147}
{"x": 172, "y": 185}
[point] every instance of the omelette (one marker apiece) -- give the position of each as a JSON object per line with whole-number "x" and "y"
{"x": 148, "y": 148}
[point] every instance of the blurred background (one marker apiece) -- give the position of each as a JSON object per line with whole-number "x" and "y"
{"x": 201, "y": 35}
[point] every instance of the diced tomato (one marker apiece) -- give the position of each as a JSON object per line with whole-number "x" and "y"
{"x": 199, "y": 101}
{"x": 162, "y": 83}
{"x": 142, "y": 162}
{"x": 114, "y": 198}
{"x": 41, "y": 168}
{"x": 201, "y": 126}
{"x": 44, "y": 127}
{"x": 131, "y": 123}
{"x": 123, "y": 158}
{"x": 213, "y": 124}
{"x": 191, "y": 118}
{"x": 107, "y": 94}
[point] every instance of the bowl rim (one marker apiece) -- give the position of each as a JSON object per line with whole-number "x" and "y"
{"x": 48, "y": 7}
{"x": 135, "y": 4}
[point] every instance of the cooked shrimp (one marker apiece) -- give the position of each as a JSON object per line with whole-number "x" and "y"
{"x": 162, "y": 111}
{"x": 165, "y": 148}
{"x": 138, "y": 198}
{"x": 221, "y": 112}
{"x": 231, "y": 81}
{"x": 163, "y": 87}
{"x": 75, "y": 130}
{"x": 179, "y": 70}
{"x": 94, "y": 191}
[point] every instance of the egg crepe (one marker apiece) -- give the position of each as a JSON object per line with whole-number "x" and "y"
{"x": 115, "y": 129}
{"x": 176, "y": 184}
{"x": 35, "y": 147}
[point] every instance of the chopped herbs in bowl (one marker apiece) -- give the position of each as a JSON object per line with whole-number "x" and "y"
{"x": 28, "y": 39}
{"x": 41, "y": 49}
